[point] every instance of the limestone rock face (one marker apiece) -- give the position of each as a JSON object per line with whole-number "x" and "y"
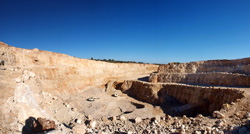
{"x": 233, "y": 66}
{"x": 28, "y": 74}
{"x": 204, "y": 99}
{"x": 153, "y": 78}
{"x": 63, "y": 73}
{"x": 210, "y": 78}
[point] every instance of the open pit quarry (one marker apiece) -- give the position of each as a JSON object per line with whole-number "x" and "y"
{"x": 46, "y": 92}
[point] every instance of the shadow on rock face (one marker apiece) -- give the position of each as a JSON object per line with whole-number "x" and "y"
{"x": 137, "y": 105}
{"x": 143, "y": 79}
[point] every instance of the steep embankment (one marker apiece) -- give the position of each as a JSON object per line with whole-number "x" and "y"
{"x": 60, "y": 72}
{"x": 204, "y": 100}
{"x": 210, "y": 79}
{"x": 241, "y": 66}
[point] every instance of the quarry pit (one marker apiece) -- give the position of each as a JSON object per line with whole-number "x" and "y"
{"x": 36, "y": 83}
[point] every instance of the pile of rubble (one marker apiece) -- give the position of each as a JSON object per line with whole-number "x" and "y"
{"x": 217, "y": 124}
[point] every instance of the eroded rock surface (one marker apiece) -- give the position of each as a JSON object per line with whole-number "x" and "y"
{"x": 63, "y": 73}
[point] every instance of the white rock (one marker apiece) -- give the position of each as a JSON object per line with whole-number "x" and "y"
{"x": 129, "y": 132}
{"x": 116, "y": 95}
{"x": 32, "y": 74}
{"x": 184, "y": 117}
{"x": 197, "y": 132}
{"x": 215, "y": 131}
{"x": 102, "y": 132}
{"x": 28, "y": 74}
{"x": 200, "y": 116}
{"x": 23, "y": 94}
{"x": 217, "y": 114}
{"x": 67, "y": 105}
{"x": 56, "y": 132}
{"x": 182, "y": 130}
{"x": 172, "y": 130}
{"x": 158, "y": 118}
{"x": 78, "y": 121}
{"x": 88, "y": 130}
{"x": 122, "y": 118}
{"x": 26, "y": 104}
{"x": 18, "y": 80}
{"x": 92, "y": 124}
{"x": 220, "y": 132}
{"x": 169, "y": 117}
{"x": 138, "y": 120}
{"x": 163, "y": 118}
{"x": 208, "y": 129}
{"x": 79, "y": 129}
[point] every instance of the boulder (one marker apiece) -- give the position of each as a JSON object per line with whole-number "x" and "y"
{"x": 42, "y": 124}
{"x": 28, "y": 74}
{"x": 26, "y": 104}
{"x": 79, "y": 129}
{"x": 122, "y": 118}
{"x": 18, "y": 80}
{"x": 138, "y": 120}
{"x": 217, "y": 114}
{"x": 92, "y": 124}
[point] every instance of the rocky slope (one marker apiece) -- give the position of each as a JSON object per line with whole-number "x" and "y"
{"x": 230, "y": 66}
{"x": 60, "y": 72}
{"x": 208, "y": 78}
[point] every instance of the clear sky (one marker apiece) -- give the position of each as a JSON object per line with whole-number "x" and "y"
{"x": 155, "y": 31}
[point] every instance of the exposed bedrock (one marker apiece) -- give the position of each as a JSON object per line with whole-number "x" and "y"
{"x": 60, "y": 72}
{"x": 191, "y": 99}
{"x": 241, "y": 66}
{"x": 212, "y": 79}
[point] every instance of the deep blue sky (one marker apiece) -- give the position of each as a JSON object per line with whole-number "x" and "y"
{"x": 157, "y": 31}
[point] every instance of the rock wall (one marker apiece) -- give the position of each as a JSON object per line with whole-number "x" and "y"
{"x": 206, "y": 99}
{"x": 212, "y": 79}
{"x": 61, "y": 72}
{"x": 241, "y": 66}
